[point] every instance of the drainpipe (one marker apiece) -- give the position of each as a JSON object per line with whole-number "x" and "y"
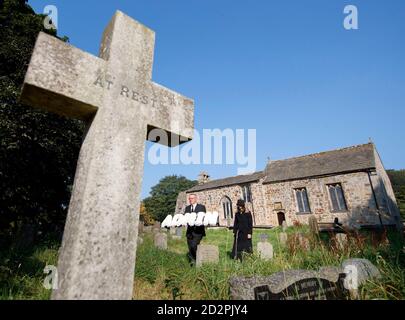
{"x": 375, "y": 198}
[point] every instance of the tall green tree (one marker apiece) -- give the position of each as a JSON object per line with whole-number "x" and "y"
{"x": 163, "y": 196}
{"x": 38, "y": 150}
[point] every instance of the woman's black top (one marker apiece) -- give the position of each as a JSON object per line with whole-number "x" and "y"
{"x": 243, "y": 226}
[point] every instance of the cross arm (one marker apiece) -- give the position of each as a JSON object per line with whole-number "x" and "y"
{"x": 60, "y": 79}
{"x": 171, "y": 112}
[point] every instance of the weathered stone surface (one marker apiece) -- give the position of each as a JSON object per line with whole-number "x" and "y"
{"x": 283, "y": 238}
{"x": 179, "y": 231}
{"x": 265, "y": 250}
{"x": 243, "y": 288}
{"x": 147, "y": 229}
{"x": 160, "y": 240}
{"x": 263, "y": 237}
{"x": 284, "y": 226}
{"x": 341, "y": 240}
{"x": 313, "y": 225}
{"x": 115, "y": 95}
{"x": 364, "y": 268}
{"x": 303, "y": 241}
{"x": 207, "y": 254}
{"x": 181, "y": 203}
{"x": 172, "y": 231}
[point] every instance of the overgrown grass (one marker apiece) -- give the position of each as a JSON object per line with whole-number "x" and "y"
{"x": 22, "y": 272}
{"x": 167, "y": 274}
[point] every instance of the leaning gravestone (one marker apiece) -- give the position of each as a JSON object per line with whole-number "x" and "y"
{"x": 265, "y": 250}
{"x": 160, "y": 241}
{"x": 207, "y": 254}
{"x": 290, "y": 285}
{"x": 122, "y": 106}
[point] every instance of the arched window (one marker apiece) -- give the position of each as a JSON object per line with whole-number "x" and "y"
{"x": 246, "y": 193}
{"x": 227, "y": 208}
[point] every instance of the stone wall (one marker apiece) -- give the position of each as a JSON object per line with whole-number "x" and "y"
{"x": 212, "y": 199}
{"x": 357, "y": 191}
{"x": 385, "y": 194}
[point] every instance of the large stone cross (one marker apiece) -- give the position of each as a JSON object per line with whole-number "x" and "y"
{"x": 114, "y": 94}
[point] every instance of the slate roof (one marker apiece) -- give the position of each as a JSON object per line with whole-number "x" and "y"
{"x": 228, "y": 182}
{"x": 351, "y": 159}
{"x": 345, "y": 160}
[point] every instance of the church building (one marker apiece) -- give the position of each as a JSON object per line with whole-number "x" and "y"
{"x": 350, "y": 184}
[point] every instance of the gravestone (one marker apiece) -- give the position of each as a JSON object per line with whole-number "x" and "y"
{"x": 341, "y": 240}
{"x": 284, "y": 226}
{"x": 122, "y": 107}
{"x": 265, "y": 250}
{"x": 156, "y": 227}
{"x": 160, "y": 240}
{"x": 313, "y": 226}
{"x": 207, "y": 254}
{"x": 172, "y": 231}
{"x": 178, "y": 233}
{"x": 263, "y": 237}
{"x": 290, "y": 285}
{"x": 140, "y": 228}
{"x": 303, "y": 241}
{"x": 364, "y": 270}
{"x": 283, "y": 238}
{"x": 147, "y": 229}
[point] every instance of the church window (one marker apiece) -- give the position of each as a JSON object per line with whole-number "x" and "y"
{"x": 246, "y": 193}
{"x": 337, "y": 198}
{"x": 302, "y": 200}
{"x": 227, "y": 208}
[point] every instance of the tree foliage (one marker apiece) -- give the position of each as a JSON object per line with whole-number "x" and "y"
{"x": 38, "y": 150}
{"x": 163, "y": 196}
{"x": 397, "y": 178}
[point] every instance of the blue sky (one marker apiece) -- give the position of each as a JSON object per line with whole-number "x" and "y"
{"x": 285, "y": 68}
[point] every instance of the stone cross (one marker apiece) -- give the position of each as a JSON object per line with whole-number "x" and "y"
{"x": 115, "y": 95}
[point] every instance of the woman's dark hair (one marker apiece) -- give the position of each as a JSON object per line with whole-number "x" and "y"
{"x": 240, "y": 203}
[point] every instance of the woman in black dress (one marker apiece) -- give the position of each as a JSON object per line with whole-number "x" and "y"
{"x": 243, "y": 230}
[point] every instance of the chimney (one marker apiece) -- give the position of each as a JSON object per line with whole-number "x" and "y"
{"x": 203, "y": 177}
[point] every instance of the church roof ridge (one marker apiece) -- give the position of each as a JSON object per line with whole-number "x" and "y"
{"x": 324, "y": 152}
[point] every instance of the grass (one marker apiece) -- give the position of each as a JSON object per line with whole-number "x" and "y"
{"x": 167, "y": 275}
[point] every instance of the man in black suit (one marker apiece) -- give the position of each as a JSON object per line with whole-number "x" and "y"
{"x": 194, "y": 233}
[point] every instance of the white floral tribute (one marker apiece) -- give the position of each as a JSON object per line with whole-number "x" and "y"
{"x": 209, "y": 219}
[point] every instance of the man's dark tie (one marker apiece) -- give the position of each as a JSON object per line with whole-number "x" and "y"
{"x": 192, "y": 208}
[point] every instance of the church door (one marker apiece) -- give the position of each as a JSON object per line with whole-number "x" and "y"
{"x": 281, "y": 218}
